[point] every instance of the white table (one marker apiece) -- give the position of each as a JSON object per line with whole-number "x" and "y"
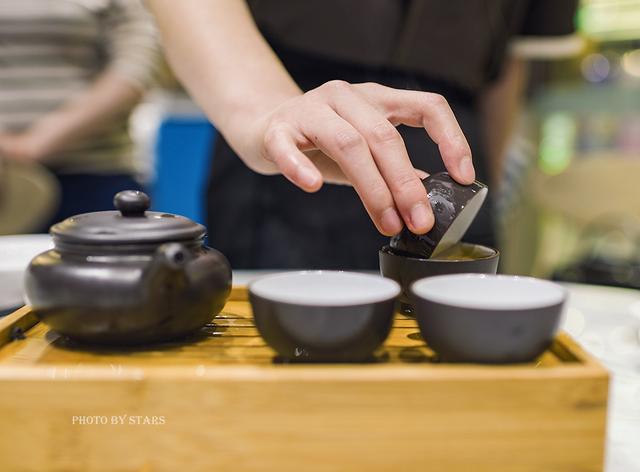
{"x": 15, "y": 254}
{"x": 606, "y": 322}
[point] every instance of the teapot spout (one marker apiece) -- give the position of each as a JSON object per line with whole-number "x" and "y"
{"x": 172, "y": 256}
{"x": 167, "y": 268}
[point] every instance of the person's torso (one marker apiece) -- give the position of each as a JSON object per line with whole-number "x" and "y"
{"x": 461, "y": 42}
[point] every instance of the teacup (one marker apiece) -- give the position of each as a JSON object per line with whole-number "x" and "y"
{"x": 487, "y": 318}
{"x": 461, "y": 258}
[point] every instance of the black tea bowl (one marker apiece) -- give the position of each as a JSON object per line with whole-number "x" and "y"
{"x": 323, "y": 316}
{"x": 484, "y": 318}
{"x": 462, "y": 258}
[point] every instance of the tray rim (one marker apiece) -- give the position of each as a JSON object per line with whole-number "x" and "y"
{"x": 24, "y": 319}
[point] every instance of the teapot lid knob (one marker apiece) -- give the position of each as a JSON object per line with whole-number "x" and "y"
{"x": 132, "y": 202}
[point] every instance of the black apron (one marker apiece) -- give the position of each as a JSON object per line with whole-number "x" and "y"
{"x": 265, "y": 222}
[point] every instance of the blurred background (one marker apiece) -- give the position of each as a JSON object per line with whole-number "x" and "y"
{"x": 568, "y": 205}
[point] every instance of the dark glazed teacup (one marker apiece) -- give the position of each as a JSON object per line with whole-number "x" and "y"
{"x": 462, "y": 258}
{"x": 454, "y": 208}
{"x": 323, "y": 316}
{"x": 487, "y": 318}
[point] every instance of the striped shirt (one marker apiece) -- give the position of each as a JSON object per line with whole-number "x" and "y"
{"x": 50, "y": 50}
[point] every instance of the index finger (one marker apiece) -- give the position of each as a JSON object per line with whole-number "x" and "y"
{"x": 431, "y": 112}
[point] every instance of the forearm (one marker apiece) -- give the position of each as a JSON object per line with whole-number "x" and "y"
{"x": 337, "y": 132}
{"x": 90, "y": 112}
{"x": 222, "y": 59}
{"x": 500, "y": 106}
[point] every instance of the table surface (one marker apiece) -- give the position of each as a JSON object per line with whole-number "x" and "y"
{"x": 606, "y": 322}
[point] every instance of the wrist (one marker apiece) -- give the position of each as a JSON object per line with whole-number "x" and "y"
{"x": 244, "y": 122}
{"x": 246, "y": 108}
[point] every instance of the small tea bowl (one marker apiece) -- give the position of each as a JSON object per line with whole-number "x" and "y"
{"x": 487, "y": 318}
{"x": 324, "y": 316}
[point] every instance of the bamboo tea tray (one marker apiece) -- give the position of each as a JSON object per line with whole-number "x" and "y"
{"x": 220, "y": 402}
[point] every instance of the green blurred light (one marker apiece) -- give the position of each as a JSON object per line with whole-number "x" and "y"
{"x": 609, "y": 19}
{"x": 557, "y": 143}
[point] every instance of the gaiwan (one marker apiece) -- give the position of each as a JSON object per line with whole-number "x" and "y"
{"x": 410, "y": 257}
{"x": 128, "y": 276}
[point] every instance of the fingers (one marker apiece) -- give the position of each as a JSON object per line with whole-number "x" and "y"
{"x": 280, "y": 148}
{"x": 390, "y": 156}
{"x": 337, "y": 138}
{"x": 348, "y": 131}
{"x": 330, "y": 170}
{"x": 433, "y": 113}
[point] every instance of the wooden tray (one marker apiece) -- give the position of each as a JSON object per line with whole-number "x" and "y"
{"x": 220, "y": 402}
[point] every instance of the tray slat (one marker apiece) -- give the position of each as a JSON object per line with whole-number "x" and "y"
{"x": 230, "y": 339}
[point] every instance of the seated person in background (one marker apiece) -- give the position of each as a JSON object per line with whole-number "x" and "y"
{"x": 70, "y": 73}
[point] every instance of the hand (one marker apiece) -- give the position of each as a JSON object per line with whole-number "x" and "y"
{"x": 345, "y": 133}
{"x": 27, "y": 146}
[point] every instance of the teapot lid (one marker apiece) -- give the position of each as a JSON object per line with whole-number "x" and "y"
{"x": 130, "y": 224}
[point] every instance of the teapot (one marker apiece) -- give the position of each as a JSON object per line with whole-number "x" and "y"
{"x": 127, "y": 277}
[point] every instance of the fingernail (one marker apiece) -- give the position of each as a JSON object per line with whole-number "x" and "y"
{"x": 421, "y": 218}
{"x": 466, "y": 169}
{"x": 390, "y": 221}
{"x": 421, "y": 174}
{"x": 307, "y": 177}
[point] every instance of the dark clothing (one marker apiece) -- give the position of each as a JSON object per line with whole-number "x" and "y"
{"x": 452, "y": 47}
{"x": 83, "y": 193}
{"x": 262, "y": 221}
{"x": 462, "y": 42}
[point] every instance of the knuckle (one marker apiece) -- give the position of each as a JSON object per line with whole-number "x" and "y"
{"x": 336, "y": 86}
{"x": 315, "y": 95}
{"x": 372, "y": 86}
{"x": 384, "y": 133}
{"x": 408, "y": 187}
{"x": 379, "y": 199}
{"x": 347, "y": 140}
{"x": 457, "y": 144}
{"x": 435, "y": 99}
{"x": 269, "y": 138}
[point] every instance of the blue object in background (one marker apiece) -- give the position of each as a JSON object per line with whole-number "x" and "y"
{"x": 183, "y": 158}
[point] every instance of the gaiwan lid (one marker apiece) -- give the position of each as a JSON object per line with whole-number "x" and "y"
{"x": 454, "y": 206}
{"x": 131, "y": 223}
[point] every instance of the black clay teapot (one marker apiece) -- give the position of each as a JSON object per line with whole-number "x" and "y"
{"x": 129, "y": 276}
